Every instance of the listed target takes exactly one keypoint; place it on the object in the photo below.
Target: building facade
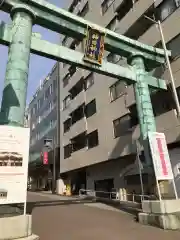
(99, 122)
(43, 123)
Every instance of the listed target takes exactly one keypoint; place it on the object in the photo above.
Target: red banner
(45, 158)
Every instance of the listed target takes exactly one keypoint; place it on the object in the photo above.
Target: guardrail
(135, 198)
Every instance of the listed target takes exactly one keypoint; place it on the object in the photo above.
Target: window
(33, 126)
(122, 125)
(141, 25)
(66, 101)
(79, 142)
(32, 112)
(66, 79)
(54, 84)
(117, 90)
(72, 70)
(51, 123)
(165, 9)
(162, 101)
(173, 45)
(51, 89)
(89, 81)
(67, 125)
(47, 93)
(133, 115)
(74, 5)
(84, 11)
(124, 8)
(39, 104)
(50, 106)
(39, 119)
(90, 109)
(105, 5)
(74, 44)
(37, 136)
(92, 139)
(77, 88)
(78, 114)
(35, 109)
(64, 41)
(113, 24)
(67, 151)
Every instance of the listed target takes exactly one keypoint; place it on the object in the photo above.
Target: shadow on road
(51, 203)
(125, 207)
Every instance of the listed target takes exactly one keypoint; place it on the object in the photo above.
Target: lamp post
(50, 143)
(158, 23)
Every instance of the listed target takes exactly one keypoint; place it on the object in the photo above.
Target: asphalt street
(64, 218)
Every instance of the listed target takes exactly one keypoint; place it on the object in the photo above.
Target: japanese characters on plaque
(94, 47)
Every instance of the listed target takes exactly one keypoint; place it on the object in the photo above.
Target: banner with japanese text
(14, 154)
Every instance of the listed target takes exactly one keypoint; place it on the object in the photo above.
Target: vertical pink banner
(162, 156)
(45, 158)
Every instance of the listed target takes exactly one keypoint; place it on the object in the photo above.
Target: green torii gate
(21, 41)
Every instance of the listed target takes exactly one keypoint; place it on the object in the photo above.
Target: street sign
(94, 47)
(14, 155)
(48, 142)
(160, 156)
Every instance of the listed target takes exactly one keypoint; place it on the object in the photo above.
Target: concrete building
(99, 123)
(43, 123)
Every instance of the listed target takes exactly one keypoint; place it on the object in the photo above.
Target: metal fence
(135, 198)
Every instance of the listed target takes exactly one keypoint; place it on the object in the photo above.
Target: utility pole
(158, 23)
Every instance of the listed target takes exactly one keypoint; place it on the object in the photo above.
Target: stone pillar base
(164, 221)
(17, 227)
(32, 237)
(164, 214)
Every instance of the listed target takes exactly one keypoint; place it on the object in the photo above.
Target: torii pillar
(16, 79)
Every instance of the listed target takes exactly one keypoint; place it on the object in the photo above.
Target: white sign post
(14, 153)
(161, 160)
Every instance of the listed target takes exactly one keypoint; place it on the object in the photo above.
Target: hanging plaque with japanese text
(94, 47)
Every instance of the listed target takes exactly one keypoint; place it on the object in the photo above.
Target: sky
(39, 66)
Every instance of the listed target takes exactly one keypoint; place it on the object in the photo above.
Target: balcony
(69, 42)
(73, 105)
(92, 123)
(82, 5)
(107, 14)
(118, 4)
(132, 16)
(77, 101)
(82, 158)
(77, 128)
(152, 36)
(75, 78)
(75, 161)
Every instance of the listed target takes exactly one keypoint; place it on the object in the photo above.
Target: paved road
(61, 218)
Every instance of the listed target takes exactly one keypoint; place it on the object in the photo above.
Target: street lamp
(158, 23)
(50, 143)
